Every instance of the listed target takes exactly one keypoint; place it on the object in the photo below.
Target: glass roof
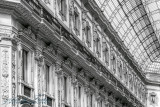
(138, 25)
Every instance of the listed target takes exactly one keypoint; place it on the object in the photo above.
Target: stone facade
(62, 53)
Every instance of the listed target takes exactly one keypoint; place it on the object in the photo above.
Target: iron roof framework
(135, 21)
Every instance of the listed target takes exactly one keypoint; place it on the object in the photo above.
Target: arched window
(113, 63)
(105, 53)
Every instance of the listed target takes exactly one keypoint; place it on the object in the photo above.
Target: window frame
(113, 63)
(47, 80)
(76, 20)
(105, 53)
(62, 6)
(25, 66)
(88, 34)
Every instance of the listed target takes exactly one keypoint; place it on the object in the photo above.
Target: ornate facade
(64, 53)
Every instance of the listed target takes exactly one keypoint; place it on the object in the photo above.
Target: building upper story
(81, 20)
(82, 25)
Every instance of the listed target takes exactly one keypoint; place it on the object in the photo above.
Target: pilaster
(7, 71)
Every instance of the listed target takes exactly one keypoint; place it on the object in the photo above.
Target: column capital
(39, 58)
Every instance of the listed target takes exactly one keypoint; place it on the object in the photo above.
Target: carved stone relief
(153, 98)
(5, 74)
(40, 60)
(13, 77)
(28, 31)
(51, 49)
(68, 62)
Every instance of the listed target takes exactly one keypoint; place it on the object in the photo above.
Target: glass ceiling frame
(130, 20)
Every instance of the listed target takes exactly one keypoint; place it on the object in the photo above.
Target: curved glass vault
(137, 23)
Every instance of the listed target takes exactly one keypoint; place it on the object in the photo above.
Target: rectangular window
(27, 91)
(24, 65)
(113, 62)
(79, 96)
(98, 47)
(62, 8)
(65, 88)
(91, 100)
(47, 78)
(105, 53)
(76, 21)
(49, 101)
(88, 34)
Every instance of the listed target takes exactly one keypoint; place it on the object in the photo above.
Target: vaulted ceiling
(137, 23)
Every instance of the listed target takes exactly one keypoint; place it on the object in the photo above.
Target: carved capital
(39, 57)
(68, 62)
(87, 89)
(102, 89)
(50, 48)
(81, 72)
(98, 97)
(58, 69)
(93, 81)
(106, 102)
(28, 32)
(74, 81)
